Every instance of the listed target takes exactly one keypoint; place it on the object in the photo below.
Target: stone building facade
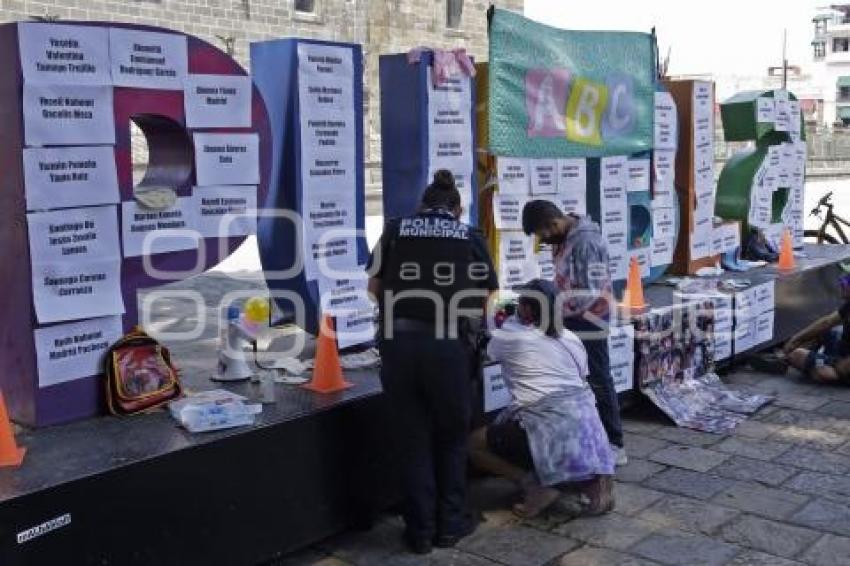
(381, 26)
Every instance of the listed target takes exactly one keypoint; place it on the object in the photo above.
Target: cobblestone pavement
(774, 493)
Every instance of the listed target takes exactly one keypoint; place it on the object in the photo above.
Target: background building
(831, 56)
(381, 26)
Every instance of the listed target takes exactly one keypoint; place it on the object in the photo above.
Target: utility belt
(403, 325)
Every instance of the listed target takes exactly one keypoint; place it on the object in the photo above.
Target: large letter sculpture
(78, 240)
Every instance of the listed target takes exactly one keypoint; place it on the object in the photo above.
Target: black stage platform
(140, 490)
(802, 295)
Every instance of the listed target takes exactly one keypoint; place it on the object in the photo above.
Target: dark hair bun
(443, 179)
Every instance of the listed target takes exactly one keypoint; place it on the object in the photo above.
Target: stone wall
(389, 26)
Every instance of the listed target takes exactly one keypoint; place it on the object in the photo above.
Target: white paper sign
(58, 54)
(227, 159)
(703, 100)
(76, 289)
(217, 101)
(513, 175)
(764, 327)
(638, 175)
(722, 347)
(146, 59)
(570, 203)
(329, 233)
(572, 176)
(74, 235)
(723, 312)
(613, 203)
(663, 225)
(464, 187)
(783, 111)
(348, 301)
(223, 212)
(728, 236)
(328, 140)
(704, 167)
(765, 297)
(545, 262)
(716, 242)
(327, 118)
(666, 122)
(572, 186)
(664, 164)
(496, 392)
(621, 354)
(613, 171)
(544, 176)
(168, 230)
(746, 334)
(76, 263)
(618, 264)
(745, 304)
(643, 257)
(661, 252)
(68, 115)
(507, 209)
(65, 177)
(765, 110)
(517, 264)
(450, 124)
(794, 122)
(704, 208)
(66, 352)
(701, 239)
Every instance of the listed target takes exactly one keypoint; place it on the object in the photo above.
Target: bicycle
(831, 219)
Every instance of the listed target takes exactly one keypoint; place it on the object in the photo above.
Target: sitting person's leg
(811, 337)
(484, 459)
(502, 449)
(820, 366)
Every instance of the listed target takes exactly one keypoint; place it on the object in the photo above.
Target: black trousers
(600, 379)
(427, 383)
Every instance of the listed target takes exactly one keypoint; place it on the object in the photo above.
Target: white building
(831, 55)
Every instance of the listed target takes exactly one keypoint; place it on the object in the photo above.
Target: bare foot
(600, 492)
(537, 499)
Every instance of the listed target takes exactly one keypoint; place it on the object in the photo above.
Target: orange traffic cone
(327, 372)
(10, 453)
(633, 295)
(786, 251)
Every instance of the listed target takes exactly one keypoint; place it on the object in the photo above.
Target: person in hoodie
(581, 272)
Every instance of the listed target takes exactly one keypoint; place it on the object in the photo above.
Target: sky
(720, 37)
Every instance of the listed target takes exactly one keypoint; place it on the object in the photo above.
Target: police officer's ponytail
(442, 192)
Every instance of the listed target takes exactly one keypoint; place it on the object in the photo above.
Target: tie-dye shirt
(581, 271)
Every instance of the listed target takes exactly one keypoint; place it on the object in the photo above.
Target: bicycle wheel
(811, 237)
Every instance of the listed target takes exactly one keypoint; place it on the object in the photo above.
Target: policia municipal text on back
(431, 273)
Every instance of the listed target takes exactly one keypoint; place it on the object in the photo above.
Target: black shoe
(450, 540)
(417, 545)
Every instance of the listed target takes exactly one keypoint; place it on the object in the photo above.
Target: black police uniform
(426, 378)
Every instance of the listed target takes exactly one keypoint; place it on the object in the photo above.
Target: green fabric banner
(561, 93)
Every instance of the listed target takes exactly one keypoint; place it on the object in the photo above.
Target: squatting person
(550, 434)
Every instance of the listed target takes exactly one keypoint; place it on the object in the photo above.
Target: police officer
(429, 271)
